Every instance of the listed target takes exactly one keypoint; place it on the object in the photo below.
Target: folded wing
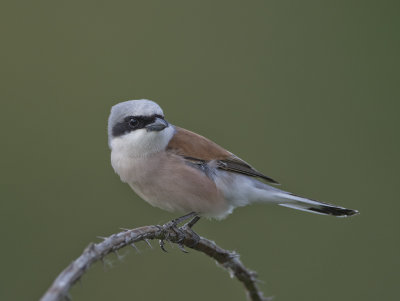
(199, 150)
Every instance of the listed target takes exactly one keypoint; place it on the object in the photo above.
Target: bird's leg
(181, 219)
(192, 222)
(188, 227)
(172, 225)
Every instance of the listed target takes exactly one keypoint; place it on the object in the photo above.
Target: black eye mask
(133, 123)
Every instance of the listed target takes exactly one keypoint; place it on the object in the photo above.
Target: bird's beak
(158, 125)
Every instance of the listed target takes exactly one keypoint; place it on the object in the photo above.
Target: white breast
(128, 152)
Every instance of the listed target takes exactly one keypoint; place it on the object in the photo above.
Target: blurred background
(305, 91)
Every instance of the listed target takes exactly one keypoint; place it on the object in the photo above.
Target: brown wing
(198, 149)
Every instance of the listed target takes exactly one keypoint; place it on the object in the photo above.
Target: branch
(95, 252)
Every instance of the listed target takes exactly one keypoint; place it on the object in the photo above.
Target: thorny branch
(95, 252)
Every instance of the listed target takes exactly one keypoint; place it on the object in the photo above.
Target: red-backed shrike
(180, 171)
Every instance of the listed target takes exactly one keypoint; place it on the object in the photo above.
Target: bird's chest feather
(135, 170)
(166, 181)
(137, 155)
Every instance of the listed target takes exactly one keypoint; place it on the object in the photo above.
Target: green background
(305, 91)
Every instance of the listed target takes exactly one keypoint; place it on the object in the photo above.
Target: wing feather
(198, 149)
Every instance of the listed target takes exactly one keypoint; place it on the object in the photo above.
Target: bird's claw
(162, 245)
(182, 248)
(178, 232)
(179, 236)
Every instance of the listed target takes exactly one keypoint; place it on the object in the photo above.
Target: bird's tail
(296, 202)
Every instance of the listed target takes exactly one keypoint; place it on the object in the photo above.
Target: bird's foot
(188, 228)
(175, 233)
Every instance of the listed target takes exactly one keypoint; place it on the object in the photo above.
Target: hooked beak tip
(157, 126)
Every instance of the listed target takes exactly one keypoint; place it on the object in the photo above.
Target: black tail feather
(336, 211)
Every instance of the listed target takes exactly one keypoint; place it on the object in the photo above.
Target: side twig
(95, 252)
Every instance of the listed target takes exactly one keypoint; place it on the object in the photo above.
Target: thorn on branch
(148, 243)
(134, 246)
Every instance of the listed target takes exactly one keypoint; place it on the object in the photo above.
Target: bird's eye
(133, 122)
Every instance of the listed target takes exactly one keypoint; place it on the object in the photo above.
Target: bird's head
(138, 128)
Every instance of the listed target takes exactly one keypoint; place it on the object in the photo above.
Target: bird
(180, 171)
